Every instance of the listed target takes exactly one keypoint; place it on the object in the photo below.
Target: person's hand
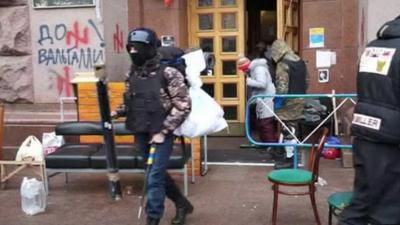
(114, 115)
(157, 138)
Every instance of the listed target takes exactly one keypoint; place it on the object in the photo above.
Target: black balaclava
(143, 52)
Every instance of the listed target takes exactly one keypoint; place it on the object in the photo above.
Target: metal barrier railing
(299, 143)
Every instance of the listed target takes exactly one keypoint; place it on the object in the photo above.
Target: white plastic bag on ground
(51, 142)
(30, 149)
(33, 196)
(206, 116)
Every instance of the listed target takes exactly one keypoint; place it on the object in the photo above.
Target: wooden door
(288, 22)
(218, 26)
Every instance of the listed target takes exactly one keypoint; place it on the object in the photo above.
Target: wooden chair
(17, 166)
(299, 177)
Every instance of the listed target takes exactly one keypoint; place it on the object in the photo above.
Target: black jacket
(377, 112)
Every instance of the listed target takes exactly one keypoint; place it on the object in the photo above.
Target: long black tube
(108, 134)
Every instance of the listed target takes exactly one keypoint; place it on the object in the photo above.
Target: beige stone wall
(15, 52)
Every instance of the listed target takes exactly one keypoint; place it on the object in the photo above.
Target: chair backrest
(1, 129)
(316, 151)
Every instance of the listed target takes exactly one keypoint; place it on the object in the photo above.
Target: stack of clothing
(314, 111)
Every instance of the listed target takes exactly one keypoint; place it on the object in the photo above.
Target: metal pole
(108, 135)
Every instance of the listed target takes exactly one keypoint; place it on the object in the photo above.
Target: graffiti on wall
(67, 47)
(118, 39)
(70, 46)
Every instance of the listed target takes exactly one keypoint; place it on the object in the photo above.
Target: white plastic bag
(51, 142)
(195, 63)
(206, 116)
(31, 148)
(33, 196)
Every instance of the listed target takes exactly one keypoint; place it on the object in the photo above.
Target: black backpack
(297, 76)
(272, 69)
(172, 56)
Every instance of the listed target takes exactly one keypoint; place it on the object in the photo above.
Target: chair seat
(340, 200)
(290, 176)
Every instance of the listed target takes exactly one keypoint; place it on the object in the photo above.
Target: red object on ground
(331, 153)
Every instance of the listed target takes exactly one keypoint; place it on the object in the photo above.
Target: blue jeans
(159, 184)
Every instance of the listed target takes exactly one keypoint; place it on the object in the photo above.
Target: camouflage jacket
(174, 97)
(293, 108)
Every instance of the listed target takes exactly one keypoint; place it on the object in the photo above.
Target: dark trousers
(159, 183)
(266, 129)
(376, 185)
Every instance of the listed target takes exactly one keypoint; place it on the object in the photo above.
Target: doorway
(261, 24)
(228, 28)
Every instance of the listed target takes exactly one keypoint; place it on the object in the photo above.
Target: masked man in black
(156, 102)
(375, 125)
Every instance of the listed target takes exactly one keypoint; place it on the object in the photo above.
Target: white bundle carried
(206, 116)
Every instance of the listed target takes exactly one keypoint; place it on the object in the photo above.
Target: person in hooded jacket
(156, 102)
(375, 126)
(260, 82)
(290, 78)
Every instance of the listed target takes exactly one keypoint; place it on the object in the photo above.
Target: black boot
(152, 221)
(181, 211)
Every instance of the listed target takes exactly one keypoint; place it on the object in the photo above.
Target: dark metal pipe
(108, 134)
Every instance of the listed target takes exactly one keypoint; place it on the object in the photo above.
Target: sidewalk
(227, 195)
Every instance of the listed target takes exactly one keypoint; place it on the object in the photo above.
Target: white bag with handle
(206, 115)
(51, 142)
(30, 149)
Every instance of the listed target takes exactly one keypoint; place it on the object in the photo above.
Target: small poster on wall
(323, 75)
(317, 37)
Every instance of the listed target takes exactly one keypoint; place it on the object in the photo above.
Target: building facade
(43, 47)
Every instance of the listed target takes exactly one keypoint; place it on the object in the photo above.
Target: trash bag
(51, 142)
(33, 196)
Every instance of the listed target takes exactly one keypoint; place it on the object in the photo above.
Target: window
(229, 44)
(207, 44)
(205, 3)
(209, 88)
(229, 90)
(229, 67)
(231, 112)
(228, 2)
(206, 21)
(228, 21)
(62, 3)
